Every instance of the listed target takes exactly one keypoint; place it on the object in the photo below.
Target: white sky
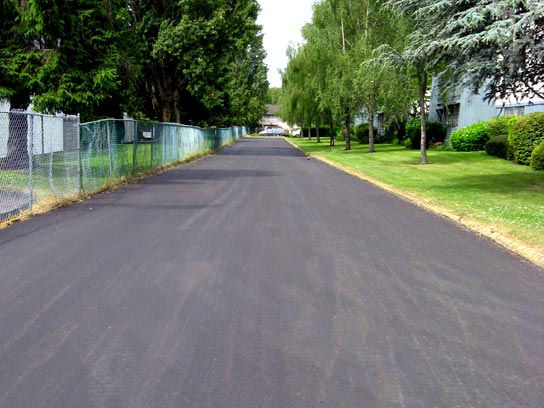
(282, 21)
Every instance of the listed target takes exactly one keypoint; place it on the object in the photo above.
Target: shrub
(499, 146)
(323, 131)
(360, 133)
(499, 126)
(471, 138)
(435, 132)
(537, 157)
(525, 135)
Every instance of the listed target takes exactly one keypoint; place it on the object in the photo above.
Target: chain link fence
(39, 160)
(45, 159)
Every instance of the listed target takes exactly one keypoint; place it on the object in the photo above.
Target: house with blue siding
(462, 108)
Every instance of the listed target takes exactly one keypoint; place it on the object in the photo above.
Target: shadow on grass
(507, 182)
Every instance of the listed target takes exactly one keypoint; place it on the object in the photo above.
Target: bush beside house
(361, 133)
(525, 135)
(436, 133)
(537, 157)
(498, 146)
(471, 138)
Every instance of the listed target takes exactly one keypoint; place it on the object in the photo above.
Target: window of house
(514, 111)
(452, 115)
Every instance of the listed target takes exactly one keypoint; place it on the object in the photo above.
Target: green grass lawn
(499, 194)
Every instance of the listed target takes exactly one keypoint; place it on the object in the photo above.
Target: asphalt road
(257, 278)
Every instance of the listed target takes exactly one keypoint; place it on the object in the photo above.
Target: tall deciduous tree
(195, 49)
(196, 61)
(414, 56)
(383, 88)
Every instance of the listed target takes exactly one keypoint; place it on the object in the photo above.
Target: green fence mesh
(39, 160)
(44, 158)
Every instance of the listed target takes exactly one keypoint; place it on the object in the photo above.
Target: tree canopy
(369, 56)
(335, 73)
(192, 61)
(495, 46)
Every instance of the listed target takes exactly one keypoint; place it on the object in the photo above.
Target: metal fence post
(163, 147)
(135, 148)
(152, 143)
(108, 135)
(79, 167)
(43, 140)
(50, 174)
(174, 157)
(30, 154)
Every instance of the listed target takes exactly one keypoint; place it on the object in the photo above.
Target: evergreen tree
(192, 61)
(198, 53)
(496, 45)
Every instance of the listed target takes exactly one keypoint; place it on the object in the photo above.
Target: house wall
(473, 108)
(522, 107)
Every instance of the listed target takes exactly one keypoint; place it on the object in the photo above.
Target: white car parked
(273, 131)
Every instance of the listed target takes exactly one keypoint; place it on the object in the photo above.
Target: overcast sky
(282, 21)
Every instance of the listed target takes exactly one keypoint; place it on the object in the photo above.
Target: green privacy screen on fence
(113, 149)
(44, 158)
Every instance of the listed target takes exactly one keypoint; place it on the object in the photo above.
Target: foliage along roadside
(379, 56)
(185, 61)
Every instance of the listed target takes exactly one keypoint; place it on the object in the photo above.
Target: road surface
(257, 278)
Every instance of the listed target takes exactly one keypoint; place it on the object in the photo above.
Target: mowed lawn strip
(507, 198)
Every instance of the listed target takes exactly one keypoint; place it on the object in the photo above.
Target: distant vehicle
(273, 131)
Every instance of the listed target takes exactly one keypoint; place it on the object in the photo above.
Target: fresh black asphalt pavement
(257, 278)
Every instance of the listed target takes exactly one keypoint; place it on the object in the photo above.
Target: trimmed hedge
(436, 132)
(500, 126)
(498, 146)
(525, 135)
(471, 138)
(537, 157)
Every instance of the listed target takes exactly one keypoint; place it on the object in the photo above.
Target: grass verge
(492, 196)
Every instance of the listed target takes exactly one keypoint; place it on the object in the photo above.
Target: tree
(14, 80)
(493, 45)
(337, 74)
(336, 27)
(81, 51)
(196, 49)
(298, 104)
(415, 55)
(196, 61)
(273, 96)
(383, 87)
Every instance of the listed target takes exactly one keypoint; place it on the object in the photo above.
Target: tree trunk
(371, 147)
(422, 83)
(318, 138)
(17, 152)
(347, 125)
(166, 114)
(310, 131)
